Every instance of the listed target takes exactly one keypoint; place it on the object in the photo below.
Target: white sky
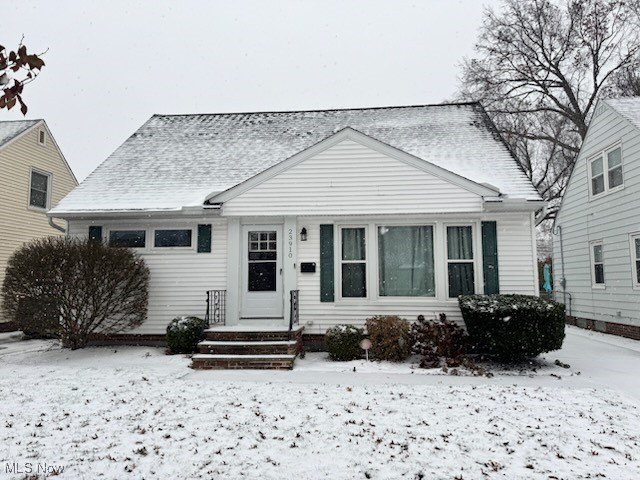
(111, 65)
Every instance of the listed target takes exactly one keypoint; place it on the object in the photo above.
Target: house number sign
(290, 252)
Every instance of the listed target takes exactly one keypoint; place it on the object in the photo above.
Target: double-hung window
(597, 264)
(405, 261)
(39, 190)
(353, 262)
(606, 171)
(460, 261)
(635, 259)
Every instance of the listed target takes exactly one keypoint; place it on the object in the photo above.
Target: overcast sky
(111, 65)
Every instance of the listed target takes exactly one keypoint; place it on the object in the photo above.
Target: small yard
(136, 413)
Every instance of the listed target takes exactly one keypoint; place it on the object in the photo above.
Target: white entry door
(262, 272)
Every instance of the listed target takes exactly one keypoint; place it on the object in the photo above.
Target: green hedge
(184, 333)
(513, 327)
(343, 342)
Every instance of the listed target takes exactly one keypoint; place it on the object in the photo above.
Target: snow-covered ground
(136, 413)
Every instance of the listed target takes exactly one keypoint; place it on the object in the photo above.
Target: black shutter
(95, 233)
(204, 238)
(490, 258)
(326, 263)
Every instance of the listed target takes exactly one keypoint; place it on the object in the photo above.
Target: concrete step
(229, 347)
(205, 361)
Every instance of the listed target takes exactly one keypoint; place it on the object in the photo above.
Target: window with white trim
(353, 262)
(597, 264)
(635, 259)
(172, 238)
(127, 238)
(460, 261)
(406, 261)
(605, 171)
(39, 189)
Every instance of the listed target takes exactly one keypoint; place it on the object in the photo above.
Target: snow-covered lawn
(136, 413)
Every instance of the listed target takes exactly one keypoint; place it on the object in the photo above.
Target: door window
(262, 260)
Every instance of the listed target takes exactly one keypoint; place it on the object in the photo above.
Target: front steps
(248, 348)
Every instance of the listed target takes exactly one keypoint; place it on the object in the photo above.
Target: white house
(597, 231)
(394, 210)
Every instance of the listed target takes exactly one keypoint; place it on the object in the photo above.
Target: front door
(262, 272)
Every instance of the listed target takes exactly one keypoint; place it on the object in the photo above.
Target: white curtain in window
(459, 243)
(405, 258)
(353, 244)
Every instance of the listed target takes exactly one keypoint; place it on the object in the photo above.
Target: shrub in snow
(389, 337)
(184, 333)
(72, 288)
(439, 341)
(513, 327)
(343, 342)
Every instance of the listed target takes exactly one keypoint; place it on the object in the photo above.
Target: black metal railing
(294, 312)
(216, 307)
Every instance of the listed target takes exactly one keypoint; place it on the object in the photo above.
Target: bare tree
(17, 69)
(539, 68)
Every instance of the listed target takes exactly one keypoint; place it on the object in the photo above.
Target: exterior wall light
(303, 234)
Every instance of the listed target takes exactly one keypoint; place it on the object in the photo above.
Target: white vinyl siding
(607, 218)
(515, 257)
(349, 178)
(179, 278)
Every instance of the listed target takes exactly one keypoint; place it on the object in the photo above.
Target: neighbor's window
(405, 261)
(597, 176)
(460, 263)
(597, 261)
(614, 164)
(127, 238)
(172, 238)
(353, 262)
(606, 171)
(635, 259)
(39, 190)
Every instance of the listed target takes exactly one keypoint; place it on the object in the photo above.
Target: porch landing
(248, 347)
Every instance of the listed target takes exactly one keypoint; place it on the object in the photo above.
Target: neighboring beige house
(34, 177)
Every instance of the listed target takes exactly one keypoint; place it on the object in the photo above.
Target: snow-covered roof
(628, 107)
(176, 161)
(13, 128)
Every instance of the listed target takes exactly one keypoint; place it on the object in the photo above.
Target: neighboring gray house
(328, 216)
(596, 243)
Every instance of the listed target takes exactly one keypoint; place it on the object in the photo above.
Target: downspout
(56, 226)
(557, 230)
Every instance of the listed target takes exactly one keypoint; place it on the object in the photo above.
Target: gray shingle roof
(628, 107)
(177, 160)
(11, 129)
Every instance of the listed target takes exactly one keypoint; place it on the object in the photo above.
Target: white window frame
(152, 235)
(635, 281)
(49, 176)
(116, 228)
(603, 154)
(478, 288)
(594, 285)
(376, 262)
(42, 133)
(366, 261)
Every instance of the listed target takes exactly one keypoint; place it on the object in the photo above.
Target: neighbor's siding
(611, 219)
(178, 280)
(18, 223)
(349, 178)
(516, 266)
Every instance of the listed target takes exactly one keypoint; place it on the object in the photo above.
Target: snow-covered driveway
(135, 413)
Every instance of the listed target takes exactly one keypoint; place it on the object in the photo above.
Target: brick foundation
(612, 328)
(99, 339)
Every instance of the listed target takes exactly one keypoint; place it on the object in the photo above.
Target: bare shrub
(389, 337)
(72, 288)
